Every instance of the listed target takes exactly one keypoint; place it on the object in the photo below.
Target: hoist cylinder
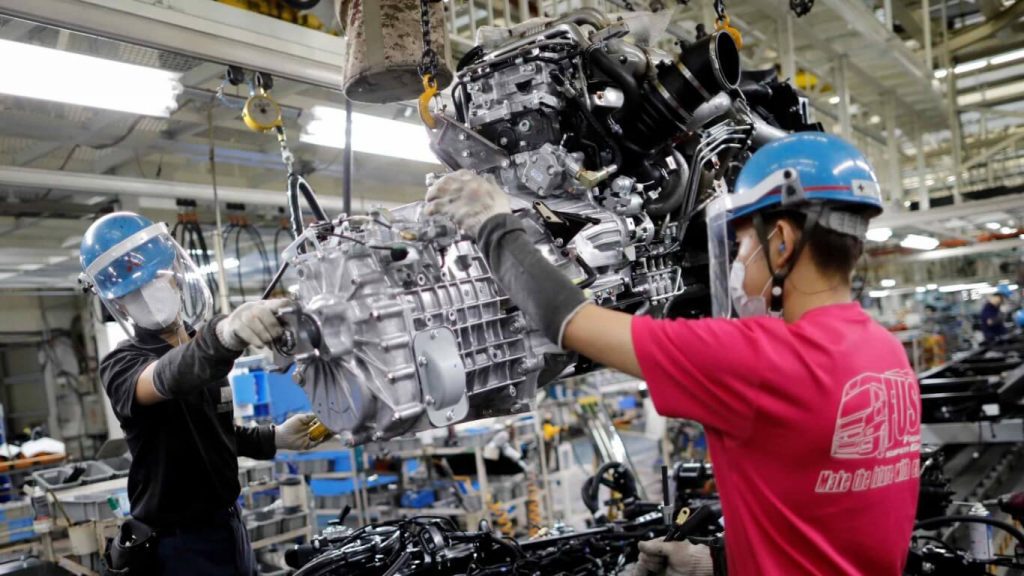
(385, 47)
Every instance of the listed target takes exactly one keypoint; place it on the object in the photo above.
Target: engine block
(608, 151)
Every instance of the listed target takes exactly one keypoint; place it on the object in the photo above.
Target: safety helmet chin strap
(779, 276)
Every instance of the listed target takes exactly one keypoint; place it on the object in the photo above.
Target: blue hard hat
(805, 168)
(1018, 317)
(137, 263)
(1004, 291)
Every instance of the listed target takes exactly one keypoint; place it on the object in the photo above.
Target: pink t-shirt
(813, 429)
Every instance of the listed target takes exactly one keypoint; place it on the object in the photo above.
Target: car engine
(609, 150)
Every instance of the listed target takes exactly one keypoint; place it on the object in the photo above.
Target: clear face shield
(148, 282)
(721, 251)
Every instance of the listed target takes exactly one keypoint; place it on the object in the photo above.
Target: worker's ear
(783, 243)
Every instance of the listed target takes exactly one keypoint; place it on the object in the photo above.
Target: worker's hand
(658, 557)
(251, 324)
(293, 434)
(468, 199)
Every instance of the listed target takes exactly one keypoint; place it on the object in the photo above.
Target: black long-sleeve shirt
(184, 450)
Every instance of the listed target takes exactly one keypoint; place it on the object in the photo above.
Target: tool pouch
(133, 552)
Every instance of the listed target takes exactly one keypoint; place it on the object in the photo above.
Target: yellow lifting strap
(723, 24)
(429, 91)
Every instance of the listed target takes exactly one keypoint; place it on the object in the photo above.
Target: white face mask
(747, 306)
(155, 306)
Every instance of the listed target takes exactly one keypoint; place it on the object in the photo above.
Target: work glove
(251, 324)
(293, 434)
(682, 558)
(468, 199)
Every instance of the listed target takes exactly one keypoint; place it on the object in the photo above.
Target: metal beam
(958, 252)
(121, 185)
(897, 220)
(843, 91)
(926, 18)
(199, 28)
(988, 28)
(992, 151)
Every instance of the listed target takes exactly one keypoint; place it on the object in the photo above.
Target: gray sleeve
(187, 368)
(546, 296)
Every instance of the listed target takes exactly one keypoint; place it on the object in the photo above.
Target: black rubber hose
(261, 249)
(298, 185)
(238, 256)
(277, 246)
(943, 520)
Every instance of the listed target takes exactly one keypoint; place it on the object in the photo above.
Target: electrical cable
(1010, 529)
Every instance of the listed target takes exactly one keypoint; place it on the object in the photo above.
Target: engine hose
(943, 520)
(590, 16)
(500, 516)
(673, 191)
(534, 514)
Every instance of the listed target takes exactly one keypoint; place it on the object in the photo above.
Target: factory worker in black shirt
(169, 391)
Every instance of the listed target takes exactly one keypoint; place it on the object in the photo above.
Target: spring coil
(534, 514)
(500, 516)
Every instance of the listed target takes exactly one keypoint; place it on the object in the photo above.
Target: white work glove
(468, 199)
(682, 558)
(251, 324)
(293, 434)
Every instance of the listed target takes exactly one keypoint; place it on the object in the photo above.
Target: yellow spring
(500, 516)
(534, 515)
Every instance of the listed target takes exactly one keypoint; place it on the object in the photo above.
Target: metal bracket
(442, 375)
(562, 226)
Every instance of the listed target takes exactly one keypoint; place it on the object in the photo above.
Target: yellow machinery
(293, 11)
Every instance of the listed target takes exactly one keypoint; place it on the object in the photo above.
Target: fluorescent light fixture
(888, 283)
(874, 119)
(59, 76)
(1007, 57)
(993, 225)
(1007, 230)
(920, 289)
(918, 242)
(940, 73)
(878, 293)
(370, 134)
(932, 286)
(29, 267)
(929, 182)
(963, 287)
(970, 66)
(879, 234)
(951, 178)
(834, 100)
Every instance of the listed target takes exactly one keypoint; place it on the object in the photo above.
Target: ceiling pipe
(142, 187)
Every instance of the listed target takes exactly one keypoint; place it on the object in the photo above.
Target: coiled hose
(189, 235)
(238, 225)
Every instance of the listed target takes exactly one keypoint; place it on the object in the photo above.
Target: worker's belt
(214, 519)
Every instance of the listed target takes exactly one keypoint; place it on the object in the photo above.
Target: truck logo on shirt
(879, 416)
